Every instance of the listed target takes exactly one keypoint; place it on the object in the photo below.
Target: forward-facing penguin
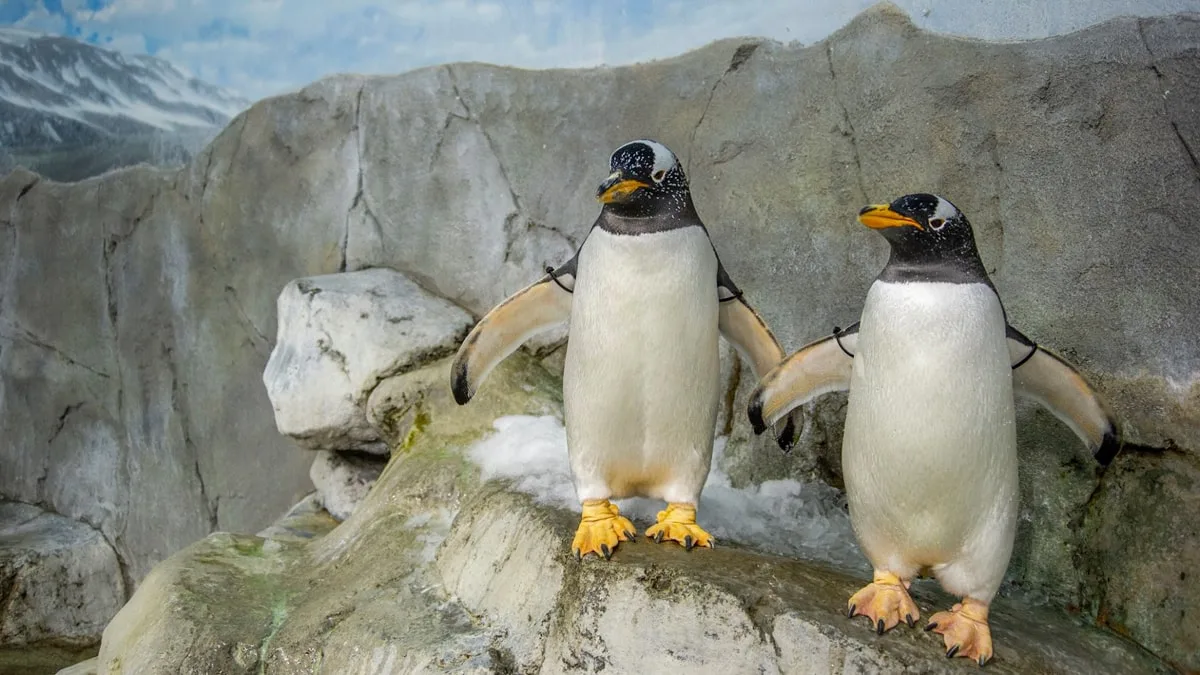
(929, 453)
(646, 297)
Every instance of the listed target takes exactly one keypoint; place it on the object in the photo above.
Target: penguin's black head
(646, 180)
(928, 235)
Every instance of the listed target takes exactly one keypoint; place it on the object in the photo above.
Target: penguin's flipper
(1045, 377)
(531, 310)
(818, 368)
(754, 342)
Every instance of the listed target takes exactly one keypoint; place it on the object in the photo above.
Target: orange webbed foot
(601, 528)
(678, 523)
(886, 602)
(965, 630)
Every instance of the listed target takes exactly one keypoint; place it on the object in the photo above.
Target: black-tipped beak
(617, 188)
(755, 412)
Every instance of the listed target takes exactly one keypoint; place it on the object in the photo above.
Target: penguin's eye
(658, 175)
(937, 223)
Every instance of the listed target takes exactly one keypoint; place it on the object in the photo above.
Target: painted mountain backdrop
(70, 110)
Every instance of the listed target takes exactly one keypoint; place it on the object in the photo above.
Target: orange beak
(881, 216)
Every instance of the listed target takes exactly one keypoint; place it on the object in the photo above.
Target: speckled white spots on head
(664, 159)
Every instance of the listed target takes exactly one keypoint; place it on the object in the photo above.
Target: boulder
(60, 583)
(339, 336)
(441, 570)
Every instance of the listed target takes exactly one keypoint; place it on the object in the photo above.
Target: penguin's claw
(678, 523)
(601, 528)
(965, 631)
(885, 601)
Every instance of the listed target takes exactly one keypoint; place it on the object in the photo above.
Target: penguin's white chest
(640, 382)
(929, 451)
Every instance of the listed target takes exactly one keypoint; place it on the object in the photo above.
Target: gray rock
(358, 597)
(339, 336)
(1139, 551)
(135, 310)
(60, 583)
(342, 480)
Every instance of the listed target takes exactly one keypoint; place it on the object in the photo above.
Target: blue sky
(261, 47)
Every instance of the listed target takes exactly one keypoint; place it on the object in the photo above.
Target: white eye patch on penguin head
(919, 221)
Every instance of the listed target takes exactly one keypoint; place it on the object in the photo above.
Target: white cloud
(128, 43)
(42, 21)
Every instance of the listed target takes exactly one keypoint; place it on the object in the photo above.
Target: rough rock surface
(436, 572)
(339, 336)
(342, 480)
(137, 309)
(60, 583)
(1145, 576)
(357, 599)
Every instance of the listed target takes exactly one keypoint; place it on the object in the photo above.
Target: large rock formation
(137, 309)
(437, 571)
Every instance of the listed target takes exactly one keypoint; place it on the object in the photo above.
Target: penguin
(645, 298)
(929, 451)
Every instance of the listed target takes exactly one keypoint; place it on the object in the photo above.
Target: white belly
(640, 383)
(929, 451)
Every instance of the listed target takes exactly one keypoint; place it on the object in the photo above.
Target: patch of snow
(71, 75)
(18, 36)
(78, 81)
(48, 129)
(784, 517)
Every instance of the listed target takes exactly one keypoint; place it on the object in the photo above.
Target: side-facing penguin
(646, 297)
(929, 453)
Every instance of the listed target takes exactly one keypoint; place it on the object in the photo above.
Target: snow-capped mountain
(60, 96)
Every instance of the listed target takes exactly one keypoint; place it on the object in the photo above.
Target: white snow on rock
(339, 335)
(784, 517)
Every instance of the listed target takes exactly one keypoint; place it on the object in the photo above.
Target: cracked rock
(339, 335)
